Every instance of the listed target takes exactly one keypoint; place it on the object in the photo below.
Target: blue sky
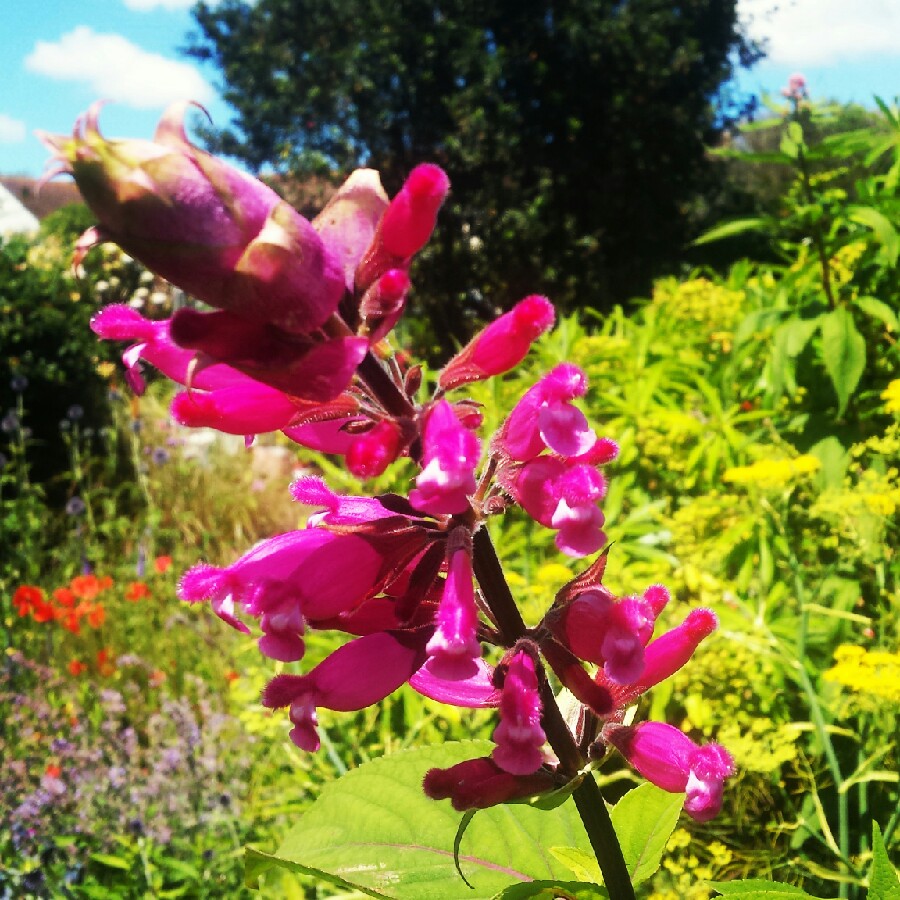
(60, 55)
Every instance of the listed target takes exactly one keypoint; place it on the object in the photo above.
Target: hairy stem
(588, 798)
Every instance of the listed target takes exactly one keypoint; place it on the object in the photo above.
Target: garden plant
(460, 611)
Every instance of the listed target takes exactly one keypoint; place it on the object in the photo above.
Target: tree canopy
(573, 132)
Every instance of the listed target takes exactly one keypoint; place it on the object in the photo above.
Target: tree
(573, 132)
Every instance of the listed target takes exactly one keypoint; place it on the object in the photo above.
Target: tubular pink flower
(370, 453)
(337, 508)
(449, 458)
(672, 761)
(154, 344)
(454, 649)
(355, 676)
(309, 368)
(501, 345)
(285, 580)
(481, 783)
(664, 656)
(407, 224)
(382, 304)
(519, 736)
(475, 692)
(242, 409)
(546, 419)
(610, 633)
(213, 231)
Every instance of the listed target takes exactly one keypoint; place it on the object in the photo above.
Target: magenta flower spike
(519, 736)
(454, 650)
(501, 345)
(213, 231)
(354, 676)
(369, 454)
(669, 759)
(449, 458)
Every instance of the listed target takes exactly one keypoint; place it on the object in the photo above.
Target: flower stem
(588, 799)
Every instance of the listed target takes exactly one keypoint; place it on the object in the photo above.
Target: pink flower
(406, 225)
(672, 761)
(449, 458)
(546, 419)
(481, 783)
(355, 676)
(370, 453)
(501, 345)
(286, 580)
(796, 87)
(213, 231)
(564, 497)
(519, 736)
(454, 649)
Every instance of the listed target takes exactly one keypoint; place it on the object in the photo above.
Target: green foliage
(570, 134)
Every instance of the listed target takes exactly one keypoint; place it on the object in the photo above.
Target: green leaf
(834, 458)
(796, 333)
(375, 830)
(883, 881)
(114, 862)
(582, 865)
(843, 352)
(760, 889)
(554, 890)
(730, 229)
(881, 226)
(879, 310)
(644, 819)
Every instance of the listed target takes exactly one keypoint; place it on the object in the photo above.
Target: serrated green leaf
(553, 890)
(883, 881)
(374, 830)
(644, 819)
(760, 889)
(843, 352)
(730, 229)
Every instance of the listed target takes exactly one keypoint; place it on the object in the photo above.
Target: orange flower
(70, 621)
(53, 771)
(64, 597)
(157, 677)
(85, 587)
(76, 667)
(27, 596)
(106, 665)
(96, 615)
(43, 611)
(231, 675)
(136, 590)
(162, 564)
(105, 582)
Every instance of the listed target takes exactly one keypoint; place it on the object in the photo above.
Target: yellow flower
(891, 396)
(773, 472)
(875, 672)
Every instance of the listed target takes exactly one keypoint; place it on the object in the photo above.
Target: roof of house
(14, 217)
(44, 199)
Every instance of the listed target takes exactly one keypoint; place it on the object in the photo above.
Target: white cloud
(150, 5)
(823, 32)
(118, 70)
(12, 131)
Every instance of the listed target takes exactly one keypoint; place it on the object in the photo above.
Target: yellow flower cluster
(699, 300)
(773, 473)
(891, 397)
(875, 672)
(843, 263)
